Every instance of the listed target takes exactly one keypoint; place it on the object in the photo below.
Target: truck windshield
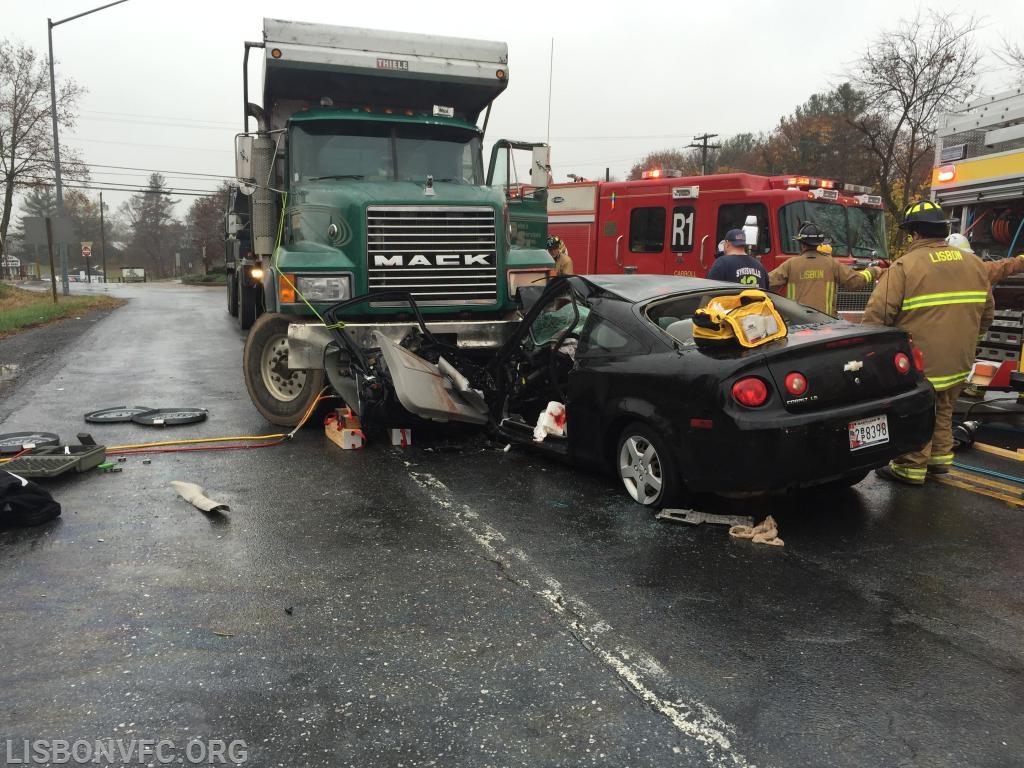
(867, 232)
(369, 151)
(855, 231)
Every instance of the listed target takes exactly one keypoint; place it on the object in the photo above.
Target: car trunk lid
(842, 364)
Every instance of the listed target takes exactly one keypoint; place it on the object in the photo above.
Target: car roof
(642, 288)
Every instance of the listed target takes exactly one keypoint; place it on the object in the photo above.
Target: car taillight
(918, 360)
(796, 383)
(750, 392)
(902, 362)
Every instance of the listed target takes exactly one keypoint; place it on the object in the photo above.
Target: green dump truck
(364, 176)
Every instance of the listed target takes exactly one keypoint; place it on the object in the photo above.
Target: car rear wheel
(646, 467)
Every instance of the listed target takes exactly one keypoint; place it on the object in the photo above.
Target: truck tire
(248, 304)
(232, 282)
(280, 394)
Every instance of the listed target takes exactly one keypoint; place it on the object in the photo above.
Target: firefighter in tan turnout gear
(813, 277)
(941, 295)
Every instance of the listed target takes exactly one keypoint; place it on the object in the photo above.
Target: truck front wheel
(248, 301)
(282, 395)
(232, 282)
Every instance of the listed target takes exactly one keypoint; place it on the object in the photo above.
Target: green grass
(211, 278)
(20, 309)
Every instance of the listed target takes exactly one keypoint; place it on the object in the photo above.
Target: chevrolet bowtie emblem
(853, 365)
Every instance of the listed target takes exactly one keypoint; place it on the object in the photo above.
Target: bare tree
(1012, 56)
(668, 159)
(909, 76)
(26, 138)
(205, 224)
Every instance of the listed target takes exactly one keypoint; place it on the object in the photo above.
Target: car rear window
(675, 310)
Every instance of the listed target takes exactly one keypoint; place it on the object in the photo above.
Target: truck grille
(440, 254)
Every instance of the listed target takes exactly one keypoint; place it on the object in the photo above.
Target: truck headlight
(521, 277)
(324, 288)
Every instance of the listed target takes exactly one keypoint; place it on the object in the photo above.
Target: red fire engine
(666, 224)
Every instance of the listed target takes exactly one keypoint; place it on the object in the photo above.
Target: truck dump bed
(352, 67)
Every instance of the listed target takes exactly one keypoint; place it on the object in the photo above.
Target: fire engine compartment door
(426, 390)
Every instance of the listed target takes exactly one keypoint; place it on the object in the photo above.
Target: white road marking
(639, 671)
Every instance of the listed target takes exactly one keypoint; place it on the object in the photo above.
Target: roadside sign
(86, 250)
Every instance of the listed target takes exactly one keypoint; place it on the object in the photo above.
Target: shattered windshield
(855, 231)
(829, 217)
(867, 233)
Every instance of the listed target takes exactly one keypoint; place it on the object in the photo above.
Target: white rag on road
(196, 496)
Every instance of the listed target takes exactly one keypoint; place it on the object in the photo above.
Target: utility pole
(704, 147)
(103, 239)
(62, 247)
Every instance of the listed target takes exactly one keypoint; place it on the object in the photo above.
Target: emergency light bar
(869, 199)
(661, 173)
(856, 189)
(809, 182)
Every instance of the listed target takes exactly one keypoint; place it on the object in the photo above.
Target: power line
(154, 170)
(149, 170)
(155, 117)
(136, 189)
(151, 146)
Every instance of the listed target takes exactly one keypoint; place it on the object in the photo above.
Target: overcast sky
(165, 89)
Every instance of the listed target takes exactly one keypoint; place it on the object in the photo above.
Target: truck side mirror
(750, 229)
(243, 164)
(540, 167)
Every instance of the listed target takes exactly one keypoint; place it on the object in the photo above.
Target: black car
(826, 404)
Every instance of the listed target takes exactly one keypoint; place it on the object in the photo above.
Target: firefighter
(999, 269)
(558, 252)
(813, 277)
(735, 265)
(942, 297)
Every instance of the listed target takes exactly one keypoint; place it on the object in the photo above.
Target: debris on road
(116, 415)
(765, 532)
(196, 496)
(149, 417)
(16, 442)
(24, 503)
(551, 421)
(53, 460)
(693, 517)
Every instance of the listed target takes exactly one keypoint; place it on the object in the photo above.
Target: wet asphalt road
(455, 604)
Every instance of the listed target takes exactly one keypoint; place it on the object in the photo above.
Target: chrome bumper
(307, 342)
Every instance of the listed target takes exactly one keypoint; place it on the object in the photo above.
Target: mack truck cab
(364, 177)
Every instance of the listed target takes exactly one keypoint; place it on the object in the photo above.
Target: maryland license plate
(867, 432)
